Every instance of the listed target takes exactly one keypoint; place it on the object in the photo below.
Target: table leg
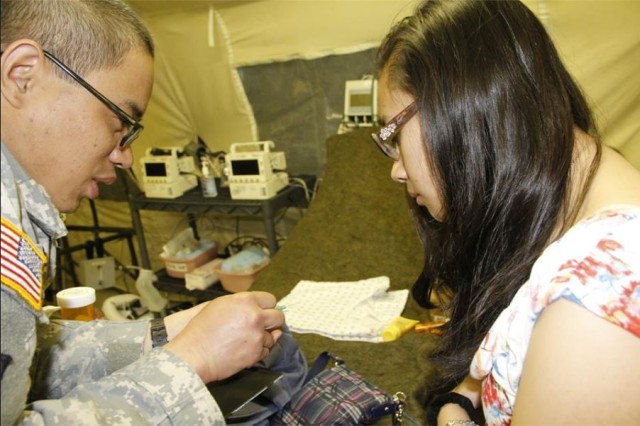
(142, 245)
(270, 227)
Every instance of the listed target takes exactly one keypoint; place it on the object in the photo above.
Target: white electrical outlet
(98, 273)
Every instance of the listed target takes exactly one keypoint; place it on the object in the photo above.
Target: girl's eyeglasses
(386, 137)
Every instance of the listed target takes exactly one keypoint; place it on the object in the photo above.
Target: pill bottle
(397, 328)
(77, 303)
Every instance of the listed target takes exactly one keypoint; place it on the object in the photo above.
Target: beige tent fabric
(279, 30)
(200, 44)
(600, 43)
(197, 91)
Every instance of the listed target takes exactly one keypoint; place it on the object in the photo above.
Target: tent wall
(236, 71)
(197, 92)
(310, 94)
(201, 44)
(600, 44)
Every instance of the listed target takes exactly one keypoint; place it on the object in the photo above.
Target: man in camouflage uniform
(62, 133)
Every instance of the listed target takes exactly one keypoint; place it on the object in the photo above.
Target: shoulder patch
(23, 264)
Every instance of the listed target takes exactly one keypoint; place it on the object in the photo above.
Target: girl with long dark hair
(530, 226)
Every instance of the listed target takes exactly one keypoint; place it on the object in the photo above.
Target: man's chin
(68, 206)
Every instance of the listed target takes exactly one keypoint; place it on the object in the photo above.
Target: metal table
(192, 202)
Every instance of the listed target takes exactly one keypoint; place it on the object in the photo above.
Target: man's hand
(223, 336)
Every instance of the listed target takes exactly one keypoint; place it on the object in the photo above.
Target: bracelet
(461, 422)
(452, 398)
(158, 333)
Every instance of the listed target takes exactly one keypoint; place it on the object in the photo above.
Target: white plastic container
(203, 276)
(150, 297)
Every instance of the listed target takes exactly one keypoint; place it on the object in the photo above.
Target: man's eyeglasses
(386, 137)
(134, 126)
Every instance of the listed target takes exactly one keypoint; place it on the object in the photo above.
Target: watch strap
(158, 332)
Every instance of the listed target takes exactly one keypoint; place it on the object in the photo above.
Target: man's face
(69, 139)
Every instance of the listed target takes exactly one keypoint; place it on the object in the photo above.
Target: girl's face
(412, 168)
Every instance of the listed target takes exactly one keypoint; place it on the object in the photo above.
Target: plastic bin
(237, 282)
(238, 272)
(178, 266)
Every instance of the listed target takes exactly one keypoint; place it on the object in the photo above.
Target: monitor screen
(360, 100)
(155, 169)
(245, 167)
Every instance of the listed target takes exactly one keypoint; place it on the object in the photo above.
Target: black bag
(338, 396)
(284, 362)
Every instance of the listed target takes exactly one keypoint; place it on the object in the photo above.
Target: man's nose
(122, 158)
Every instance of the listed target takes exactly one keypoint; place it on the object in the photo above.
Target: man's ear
(22, 64)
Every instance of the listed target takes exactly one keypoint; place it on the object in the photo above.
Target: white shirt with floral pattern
(596, 264)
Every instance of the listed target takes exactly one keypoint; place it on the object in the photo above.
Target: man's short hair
(87, 35)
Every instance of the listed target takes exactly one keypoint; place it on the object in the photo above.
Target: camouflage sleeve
(157, 389)
(72, 352)
(95, 371)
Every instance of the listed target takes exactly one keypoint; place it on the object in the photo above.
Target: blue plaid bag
(338, 396)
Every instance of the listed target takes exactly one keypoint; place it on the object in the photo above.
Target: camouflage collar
(35, 199)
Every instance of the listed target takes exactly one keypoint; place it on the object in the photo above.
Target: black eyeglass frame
(385, 136)
(136, 127)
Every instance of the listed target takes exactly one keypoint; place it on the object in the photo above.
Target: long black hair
(498, 113)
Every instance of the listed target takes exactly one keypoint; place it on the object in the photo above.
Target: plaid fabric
(337, 396)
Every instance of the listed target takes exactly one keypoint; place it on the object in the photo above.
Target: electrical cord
(316, 185)
(281, 216)
(295, 181)
(243, 241)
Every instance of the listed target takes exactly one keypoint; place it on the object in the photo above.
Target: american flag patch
(22, 264)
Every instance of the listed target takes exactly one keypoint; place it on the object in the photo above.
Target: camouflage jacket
(68, 372)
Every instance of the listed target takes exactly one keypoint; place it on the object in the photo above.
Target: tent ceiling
(148, 8)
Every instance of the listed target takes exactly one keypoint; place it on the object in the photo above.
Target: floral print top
(596, 264)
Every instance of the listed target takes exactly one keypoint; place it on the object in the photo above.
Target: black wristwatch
(158, 332)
